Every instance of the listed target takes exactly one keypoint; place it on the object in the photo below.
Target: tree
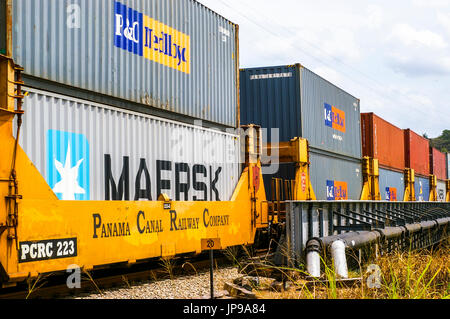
(442, 142)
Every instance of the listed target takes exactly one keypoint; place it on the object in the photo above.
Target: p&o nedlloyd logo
(151, 39)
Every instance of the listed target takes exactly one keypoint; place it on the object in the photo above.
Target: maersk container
(441, 191)
(176, 56)
(422, 189)
(299, 103)
(392, 185)
(89, 151)
(332, 177)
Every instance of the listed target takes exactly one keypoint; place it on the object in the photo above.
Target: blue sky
(393, 55)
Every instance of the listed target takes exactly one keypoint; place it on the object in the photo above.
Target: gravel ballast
(184, 287)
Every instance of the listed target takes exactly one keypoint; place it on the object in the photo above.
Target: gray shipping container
(392, 185)
(301, 104)
(332, 177)
(173, 56)
(88, 151)
(441, 191)
(335, 178)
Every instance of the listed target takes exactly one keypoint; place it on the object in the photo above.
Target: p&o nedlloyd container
(299, 103)
(173, 59)
(91, 151)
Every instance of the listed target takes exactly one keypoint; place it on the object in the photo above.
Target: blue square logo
(328, 115)
(128, 29)
(330, 190)
(68, 165)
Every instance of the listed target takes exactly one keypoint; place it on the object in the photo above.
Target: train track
(94, 282)
(100, 280)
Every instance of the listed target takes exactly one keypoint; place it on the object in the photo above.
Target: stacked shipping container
(177, 60)
(385, 142)
(417, 154)
(417, 157)
(438, 168)
(299, 103)
(437, 164)
(123, 155)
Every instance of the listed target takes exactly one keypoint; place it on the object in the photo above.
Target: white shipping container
(440, 191)
(89, 151)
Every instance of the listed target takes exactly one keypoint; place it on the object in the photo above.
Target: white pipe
(339, 260)
(313, 263)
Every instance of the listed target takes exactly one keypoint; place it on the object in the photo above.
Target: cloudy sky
(392, 54)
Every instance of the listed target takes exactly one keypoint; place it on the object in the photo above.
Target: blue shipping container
(300, 103)
(392, 185)
(332, 178)
(422, 189)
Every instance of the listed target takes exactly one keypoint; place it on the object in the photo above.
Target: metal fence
(400, 224)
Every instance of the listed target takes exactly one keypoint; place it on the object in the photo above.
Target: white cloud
(374, 16)
(409, 36)
(444, 20)
(416, 53)
(431, 3)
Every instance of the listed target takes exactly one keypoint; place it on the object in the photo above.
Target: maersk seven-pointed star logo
(68, 165)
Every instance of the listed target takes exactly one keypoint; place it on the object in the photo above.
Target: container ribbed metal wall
(448, 165)
(441, 191)
(75, 43)
(113, 145)
(330, 176)
(301, 104)
(272, 102)
(3, 27)
(316, 92)
(330, 173)
(422, 189)
(389, 180)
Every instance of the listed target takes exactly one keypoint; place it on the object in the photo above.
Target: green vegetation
(442, 142)
(419, 274)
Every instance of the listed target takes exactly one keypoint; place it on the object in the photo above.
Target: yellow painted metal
(371, 185)
(296, 151)
(410, 195)
(109, 232)
(433, 189)
(7, 88)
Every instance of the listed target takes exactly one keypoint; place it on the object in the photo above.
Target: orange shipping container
(437, 164)
(382, 140)
(417, 155)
